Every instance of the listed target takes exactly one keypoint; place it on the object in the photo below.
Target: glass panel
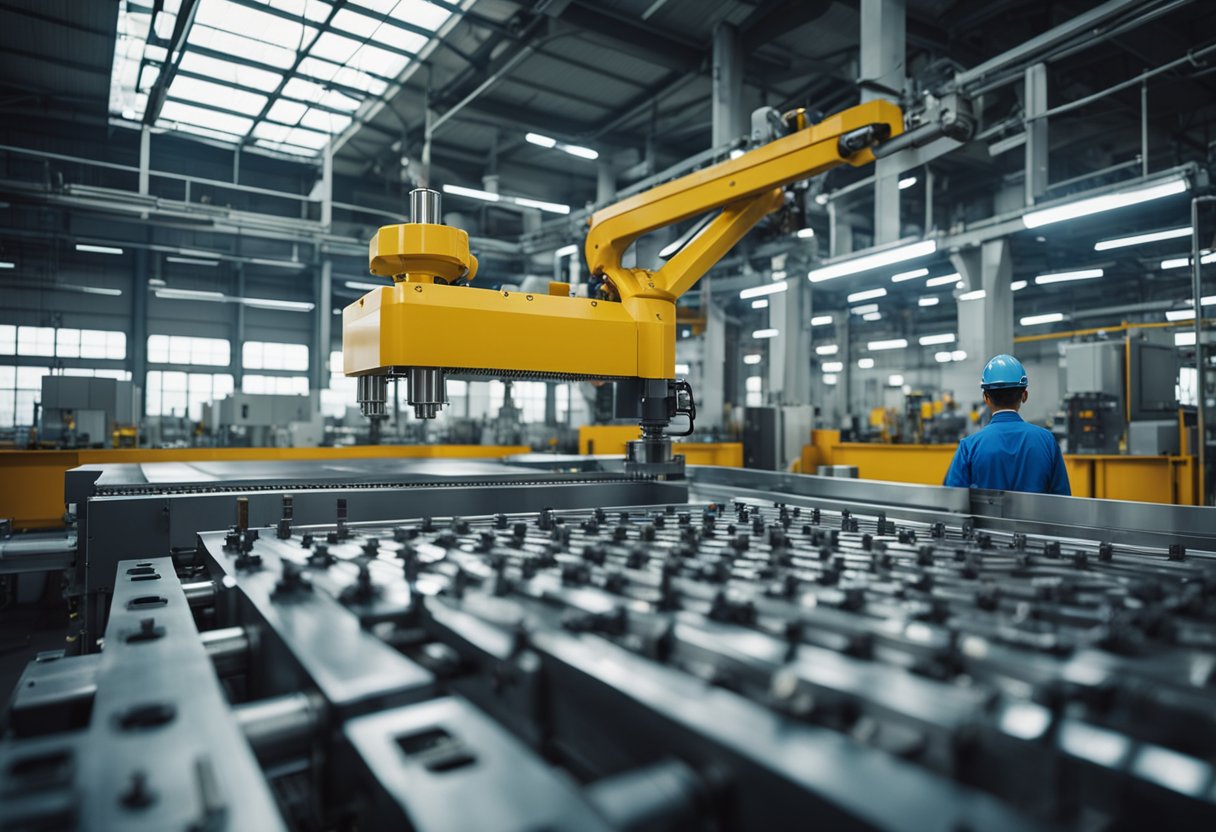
(187, 88)
(35, 340)
(325, 121)
(92, 344)
(230, 72)
(248, 48)
(211, 119)
(67, 343)
(158, 349)
(415, 12)
(285, 112)
(8, 339)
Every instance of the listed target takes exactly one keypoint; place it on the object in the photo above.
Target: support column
(790, 354)
(327, 186)
(236, 364)
(985, 326)
(883, 48)
(728, 122)
(145, 156)
(605, 182)
(322, 324)
(138, 343)
(711, 393)
(1036, 132)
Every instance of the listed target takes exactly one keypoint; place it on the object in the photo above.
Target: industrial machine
(431, 325)
(264, 421)
(663, 656)
(80, 412)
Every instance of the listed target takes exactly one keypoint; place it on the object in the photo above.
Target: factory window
(280, 385)
(529, 397)
(174, 393)
(35, 340)
(91, 343)
(182, 349)
(8, 339)
(755, 391)
(340, 393)
(20, 387)
(86, 372)
(269, 355)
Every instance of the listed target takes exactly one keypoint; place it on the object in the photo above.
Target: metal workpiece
(372, 395)
(427, 391)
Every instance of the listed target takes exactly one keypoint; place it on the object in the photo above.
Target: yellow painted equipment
(31, 482)
(611, 439)
(426, 321)
(1149, 479)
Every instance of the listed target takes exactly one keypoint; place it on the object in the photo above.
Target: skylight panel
(316, 10)
(380, 61)
(232, 73)
(147, 79)
(325, 121)
(186, 88)
(195, 130)
(259, 25)
(189, 114)
(308, 138)
(163, 25)
(346, 76)
(271, 132)
(303, 90)
(359, 25)
(285, 148)
(415, 12)
(248, 48)
(335, 47)
(337, 101)
(286, 112)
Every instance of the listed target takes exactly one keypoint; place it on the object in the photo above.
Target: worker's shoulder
(1041, 433)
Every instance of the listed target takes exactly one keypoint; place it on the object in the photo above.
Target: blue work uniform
(1010, 455)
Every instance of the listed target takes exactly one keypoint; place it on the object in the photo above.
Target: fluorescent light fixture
(944, 280)
(942, 357)
(907, 182)
(278, 264)
(1065, 277)
(360, 286)
(1184, 339)
(274, 303)
(566, 251)
(928, 301)
(958, 355)
(895, 380)
(778, 274)
(872, 316)
(805, 233)
(827, 349)
(873, 261)
(943, 338)
(892, 344)
(551, 143)
(471, 193)
(766, 333)
(865, 363)
(752, 358)
(829, 378)
(1018, 285)
(1049, 318)
(1106, 202)
(683, 369)
(4, 264)
(912, 275)
(1205, 258)
(761, 291)
(832, 366)
(868, 294)
(864, 309)
(98, 249)
(551, 207)
(190, 294)
(191, 261)
(1180, 314)
(977, 294)
(1141, 239)
(762, 303)
(821, 320)
(99, 290)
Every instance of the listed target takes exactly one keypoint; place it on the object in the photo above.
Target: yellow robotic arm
(430, 325)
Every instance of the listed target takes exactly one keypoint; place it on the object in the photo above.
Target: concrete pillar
(236, 365)
(322, 324)
(138, 343)
(985, 326)
(711, 394)
(883, 48)
(1036, 132)
(789, 365)
(145, 151)
(728, 121)
(605, 182)
(327, 186)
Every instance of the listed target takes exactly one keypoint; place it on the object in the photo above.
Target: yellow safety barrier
(31, 482)
(611, 439)
(1146, 479)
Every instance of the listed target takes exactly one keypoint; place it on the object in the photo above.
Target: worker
(1008, 454)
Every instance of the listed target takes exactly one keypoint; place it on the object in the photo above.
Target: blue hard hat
(1003, 372)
